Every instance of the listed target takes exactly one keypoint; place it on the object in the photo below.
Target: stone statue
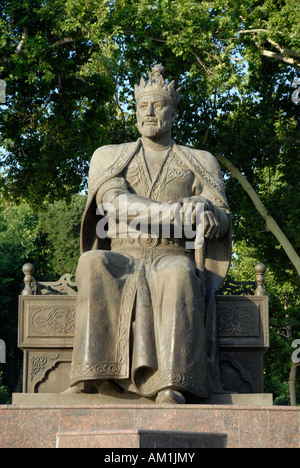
(146, 312)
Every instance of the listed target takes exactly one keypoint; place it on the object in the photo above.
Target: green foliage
(20, 241)
(284, 305)
(56, 100)
(5, 397)
(49, 239)
(60, 224)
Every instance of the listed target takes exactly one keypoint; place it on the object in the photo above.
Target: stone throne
(46, 332)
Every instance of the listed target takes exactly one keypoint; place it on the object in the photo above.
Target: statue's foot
(83, 387)
(170, 397)
(103, 387)
(75, 390)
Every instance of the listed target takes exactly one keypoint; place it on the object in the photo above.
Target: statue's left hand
(211, 225)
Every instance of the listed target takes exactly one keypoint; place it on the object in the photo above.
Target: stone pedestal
(131, 425)
(134, 438)
(35, 399)
(43, 417)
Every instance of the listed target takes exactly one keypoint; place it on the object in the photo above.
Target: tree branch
(274, 55)
(281, 334)
(268, 53)
(163, 41)
(275, 45)
(282, 50)
(237, 59)
(207, 70)
(20, 46)
(292, 384)
(66, 40)
(247, 31)
(270, 221)
(78, 77)
(291, 52)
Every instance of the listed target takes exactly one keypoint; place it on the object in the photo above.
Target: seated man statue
(146, 312)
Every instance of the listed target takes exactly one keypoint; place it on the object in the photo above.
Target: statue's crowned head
(158, 85)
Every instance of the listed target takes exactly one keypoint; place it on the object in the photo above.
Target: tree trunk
(270, 222)
(292, 384)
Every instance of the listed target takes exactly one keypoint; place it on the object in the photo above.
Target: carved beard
(157, 128)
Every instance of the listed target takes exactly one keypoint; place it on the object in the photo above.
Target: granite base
(56, 425)
(134, 438)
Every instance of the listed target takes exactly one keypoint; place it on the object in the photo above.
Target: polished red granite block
(244, 426)
(140, 439)
(284, 428)
(253, 428)
(28, 427)
(93, 417)
(108, 439)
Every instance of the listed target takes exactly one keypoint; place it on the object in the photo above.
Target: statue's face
(155, 115)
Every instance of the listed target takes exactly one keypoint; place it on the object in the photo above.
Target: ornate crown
(157, 84)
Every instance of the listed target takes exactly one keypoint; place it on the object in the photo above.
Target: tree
(76, 62)
(284, 323)
(20, 241)
(49, 239)
(4, 392)
(57, 98)
(271, 224)
(60, 225)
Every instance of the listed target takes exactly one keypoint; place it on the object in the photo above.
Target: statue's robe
(144, 307)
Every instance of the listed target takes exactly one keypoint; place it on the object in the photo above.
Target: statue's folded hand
(211, 225)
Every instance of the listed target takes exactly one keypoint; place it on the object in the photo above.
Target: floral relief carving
(235, 321)
(40, 363)
(52, 321)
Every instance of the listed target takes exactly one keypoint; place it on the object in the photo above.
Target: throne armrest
(64, 286)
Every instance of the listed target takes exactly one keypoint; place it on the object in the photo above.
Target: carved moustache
(150, 120)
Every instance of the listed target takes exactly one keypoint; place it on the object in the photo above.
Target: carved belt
(146, 242)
